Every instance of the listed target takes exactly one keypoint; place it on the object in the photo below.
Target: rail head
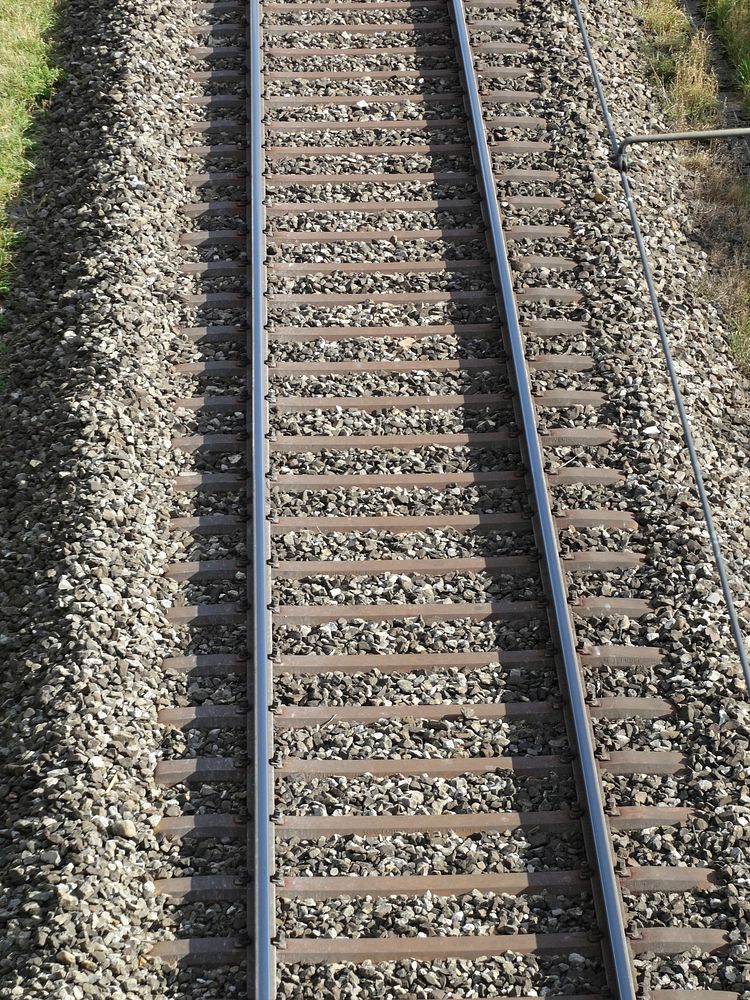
(617, 944)
(261, 972)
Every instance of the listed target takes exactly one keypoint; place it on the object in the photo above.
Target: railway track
(400, 507)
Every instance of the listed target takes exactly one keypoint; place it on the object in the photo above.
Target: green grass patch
(731, 19)
(670, 25)
(27, 77)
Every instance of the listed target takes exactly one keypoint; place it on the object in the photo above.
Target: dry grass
(730, 288)
(722, 210)
(26, 79)
(719, 185)
(693, 95)
(681, 62)
(740, 340)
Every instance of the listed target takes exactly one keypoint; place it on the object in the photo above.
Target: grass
(27, 77)
(681, 62)
(732, 292)
(680, 58)
(671, 28)
(722, 212)
(695, 89)
(732, 23)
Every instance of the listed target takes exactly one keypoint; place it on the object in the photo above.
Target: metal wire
(718, 133)
(617, 941)
(261, 971)
(617, 148)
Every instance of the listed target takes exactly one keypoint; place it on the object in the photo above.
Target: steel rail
(261, 970)
(687, 434)
(616, 939)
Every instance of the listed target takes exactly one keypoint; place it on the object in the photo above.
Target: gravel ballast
(86, 496)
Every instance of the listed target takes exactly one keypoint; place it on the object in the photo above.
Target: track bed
(475, 782)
